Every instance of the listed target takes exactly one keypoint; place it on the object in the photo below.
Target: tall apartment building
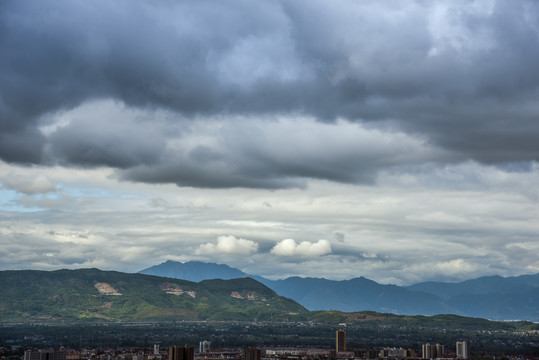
(340, 340)
(181, 353)
(426, 351)
(440, 351)
(204, 346)
(431, 351)
(44, 355)
(409, 353)
(463, 350)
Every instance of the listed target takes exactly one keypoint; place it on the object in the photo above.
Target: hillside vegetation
(91, 294)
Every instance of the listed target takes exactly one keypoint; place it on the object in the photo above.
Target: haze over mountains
(492, 297)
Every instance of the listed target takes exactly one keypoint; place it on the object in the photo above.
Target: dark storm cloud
(108, 137)
(463, 76)
(279, 154)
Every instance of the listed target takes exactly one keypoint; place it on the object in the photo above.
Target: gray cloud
(262, 152)
(27, 185)
(108, 135)
(279, 154)
(462, 77)
(339, 236)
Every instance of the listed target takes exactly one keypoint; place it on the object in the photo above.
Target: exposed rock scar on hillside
(236, 295)
(105, 289)
(176, 290)
(249, 295)
(171, 289)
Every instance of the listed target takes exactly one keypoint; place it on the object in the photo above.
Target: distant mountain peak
(194, 271)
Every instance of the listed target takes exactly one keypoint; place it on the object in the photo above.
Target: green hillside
(444, 321)
(93, 295)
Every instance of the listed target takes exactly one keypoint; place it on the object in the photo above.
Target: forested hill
(92, 294)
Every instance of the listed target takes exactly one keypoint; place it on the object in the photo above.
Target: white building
(431, 351)
(204, 346)
(463, 350)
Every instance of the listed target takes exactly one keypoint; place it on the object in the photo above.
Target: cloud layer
(455, 223)
(461, 78)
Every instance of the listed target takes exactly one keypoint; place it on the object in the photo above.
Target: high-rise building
(340, 340)
(426, 351)
(251, 353)
(463, 350)
(44, 355)
(409, 353)
(156, 349)
(440, 351)
(431, 351)
(181, 353)
(204, 346)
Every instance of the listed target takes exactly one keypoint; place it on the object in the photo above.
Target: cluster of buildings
(437, 351)
(45, 355)
(431, 351)
(428, 351)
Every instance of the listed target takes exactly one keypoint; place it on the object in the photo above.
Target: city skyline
(395, 141)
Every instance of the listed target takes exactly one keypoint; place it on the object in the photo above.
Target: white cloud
(289, 247)
(29, 185)
(228, 245)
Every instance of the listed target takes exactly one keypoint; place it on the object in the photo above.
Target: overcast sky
(396, 140)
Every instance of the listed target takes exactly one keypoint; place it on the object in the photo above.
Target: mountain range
(492, 297)
(93, 295)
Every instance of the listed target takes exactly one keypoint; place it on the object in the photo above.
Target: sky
(395, 140)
